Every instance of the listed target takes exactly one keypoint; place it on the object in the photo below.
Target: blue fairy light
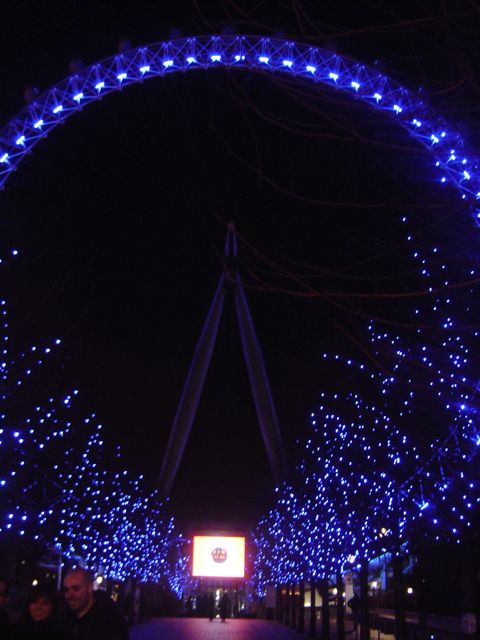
(253, 52)
(111, 520)
(361, 479)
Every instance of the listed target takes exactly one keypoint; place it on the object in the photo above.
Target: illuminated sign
(218, 556)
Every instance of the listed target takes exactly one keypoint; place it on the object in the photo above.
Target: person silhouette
(224, 606)
(211, 606)
(354, 604)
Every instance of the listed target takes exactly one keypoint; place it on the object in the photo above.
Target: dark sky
(120, 216)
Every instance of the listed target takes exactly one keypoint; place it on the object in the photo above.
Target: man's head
(4, 589)
(78, 590)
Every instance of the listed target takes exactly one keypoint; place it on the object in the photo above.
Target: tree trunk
(340, 608)
(286, 618)
(278, 608)
(293, 608)
(364, 614)
(325, 610)
(283, 600)
(399, 597)
(313, 615)
(470, 589)
(301, 608)
(421, 584)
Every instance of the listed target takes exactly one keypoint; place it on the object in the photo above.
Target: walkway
(202, 629)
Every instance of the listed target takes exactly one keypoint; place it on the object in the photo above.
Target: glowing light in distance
(219, 556)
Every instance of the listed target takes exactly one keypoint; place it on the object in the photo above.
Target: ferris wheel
(453, 162)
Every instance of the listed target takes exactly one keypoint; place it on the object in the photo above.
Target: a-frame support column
(193, 387)
(192, 391)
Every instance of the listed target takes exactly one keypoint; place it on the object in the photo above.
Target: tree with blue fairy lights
(362, 487)
(62, 489)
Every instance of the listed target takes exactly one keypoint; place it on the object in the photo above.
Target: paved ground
(240, 629)
(202, 629)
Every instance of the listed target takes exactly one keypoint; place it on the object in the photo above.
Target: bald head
(78, 591)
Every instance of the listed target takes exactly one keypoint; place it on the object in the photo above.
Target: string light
(252, 52)
(69, 495)
(363, 486)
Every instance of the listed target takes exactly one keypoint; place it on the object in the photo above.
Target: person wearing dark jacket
(224, 606)
(40, 622)
(93, 615)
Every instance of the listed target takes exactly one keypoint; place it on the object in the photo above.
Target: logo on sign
(219, 555)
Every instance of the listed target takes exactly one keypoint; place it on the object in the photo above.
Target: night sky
(120, 217)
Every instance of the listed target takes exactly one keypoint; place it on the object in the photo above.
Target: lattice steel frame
(455, 164)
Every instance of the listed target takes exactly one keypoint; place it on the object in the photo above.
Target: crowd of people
(85, 614)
